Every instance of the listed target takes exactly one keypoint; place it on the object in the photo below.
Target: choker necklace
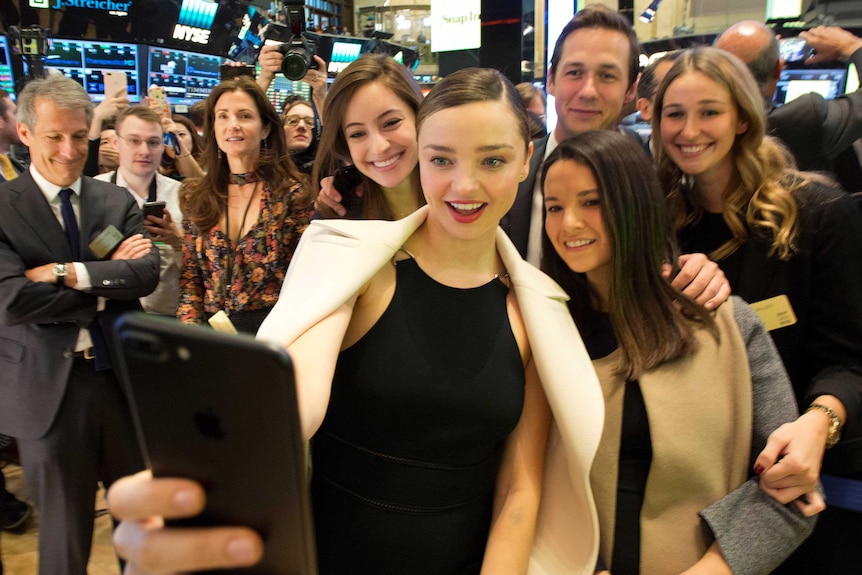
(246, 178)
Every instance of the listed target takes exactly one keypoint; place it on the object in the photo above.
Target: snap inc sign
(455, 25)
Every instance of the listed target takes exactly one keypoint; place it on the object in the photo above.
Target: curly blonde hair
(760, 194)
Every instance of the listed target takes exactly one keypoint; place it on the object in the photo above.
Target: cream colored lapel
(567, 533)
(333, 260)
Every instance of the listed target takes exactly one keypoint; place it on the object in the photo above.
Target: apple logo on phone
(209, 424)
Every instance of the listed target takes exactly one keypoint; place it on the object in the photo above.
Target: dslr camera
(298, 56)
(297, 46)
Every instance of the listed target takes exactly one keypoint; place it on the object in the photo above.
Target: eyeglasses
(293, 121)
(134, 142)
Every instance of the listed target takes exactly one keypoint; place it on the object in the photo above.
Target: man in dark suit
(815, 130)
(58, 295)
(592, 75)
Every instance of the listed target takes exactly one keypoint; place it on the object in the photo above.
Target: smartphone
(113, 81)
(158, 101)
(221, 409)
(154, 209)
(172, 141)
(794, 49)
(346, 179)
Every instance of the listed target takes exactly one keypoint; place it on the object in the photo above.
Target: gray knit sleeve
(755, 532)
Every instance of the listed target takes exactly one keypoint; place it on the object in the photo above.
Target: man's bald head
(756, 45)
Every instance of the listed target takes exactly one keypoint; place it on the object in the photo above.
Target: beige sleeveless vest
(700, 419)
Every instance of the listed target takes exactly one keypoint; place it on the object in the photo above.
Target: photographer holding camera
(270, 60)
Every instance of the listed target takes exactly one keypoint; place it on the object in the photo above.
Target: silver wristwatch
(60, 272)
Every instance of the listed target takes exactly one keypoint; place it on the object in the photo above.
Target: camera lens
(295, 64)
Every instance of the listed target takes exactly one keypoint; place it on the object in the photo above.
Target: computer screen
(852, 79)
(7, 82)
(248, 39)
(281, 88)
(85, 61)
(794, 82)
(186, 76)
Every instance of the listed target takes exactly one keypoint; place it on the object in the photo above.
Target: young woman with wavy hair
(791, 246)
(370, 122)
(684, 388)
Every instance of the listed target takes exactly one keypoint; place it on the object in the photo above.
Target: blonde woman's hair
(760, 194)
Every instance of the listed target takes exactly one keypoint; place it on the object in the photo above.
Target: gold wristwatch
(834, 435)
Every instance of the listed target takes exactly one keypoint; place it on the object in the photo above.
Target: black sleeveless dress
(406, 460)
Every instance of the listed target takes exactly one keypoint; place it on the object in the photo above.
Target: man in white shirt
(139, 140)
(59, 296)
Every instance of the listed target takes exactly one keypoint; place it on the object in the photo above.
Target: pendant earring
(220, 155)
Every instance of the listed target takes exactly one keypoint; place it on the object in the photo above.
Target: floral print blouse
(259, 260)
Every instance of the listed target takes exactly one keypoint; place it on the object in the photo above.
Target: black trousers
(91, 440)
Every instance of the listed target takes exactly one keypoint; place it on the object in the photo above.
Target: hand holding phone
(158, 101)
(346, 180)
(114, 81)
(221, 410)
(154, 209)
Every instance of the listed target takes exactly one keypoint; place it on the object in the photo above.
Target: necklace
(246, 178)
(229, 269)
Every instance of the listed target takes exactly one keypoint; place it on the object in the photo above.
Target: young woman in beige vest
(691, 395)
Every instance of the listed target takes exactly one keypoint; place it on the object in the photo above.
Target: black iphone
(221, 409)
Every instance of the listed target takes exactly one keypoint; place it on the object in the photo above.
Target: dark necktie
(74, 235)
(71, 223)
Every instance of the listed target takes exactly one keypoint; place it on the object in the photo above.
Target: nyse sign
(191, 34)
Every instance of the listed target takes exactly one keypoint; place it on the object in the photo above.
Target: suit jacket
(815, 129)
(40, 322)
(516, 223)
(335, 258)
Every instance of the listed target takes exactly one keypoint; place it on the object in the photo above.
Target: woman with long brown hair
(370, 122)
(244, 217)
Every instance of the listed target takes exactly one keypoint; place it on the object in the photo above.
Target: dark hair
(203, 199)
(197, 113)
(529, 92)
(5, 100)
(294, 100)
(600, 16)
(648, 326)
(647, 85)
(765, 63)
(333, 151)
(538, 129)
(471, 85)
(197, 141)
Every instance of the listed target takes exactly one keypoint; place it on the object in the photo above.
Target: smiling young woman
(787, 242)
(421, 365)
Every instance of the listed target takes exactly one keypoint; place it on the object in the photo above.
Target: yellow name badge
(775, 312)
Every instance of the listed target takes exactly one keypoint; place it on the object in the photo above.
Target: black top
(635, 458)
(406, 460)
(823, 350)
